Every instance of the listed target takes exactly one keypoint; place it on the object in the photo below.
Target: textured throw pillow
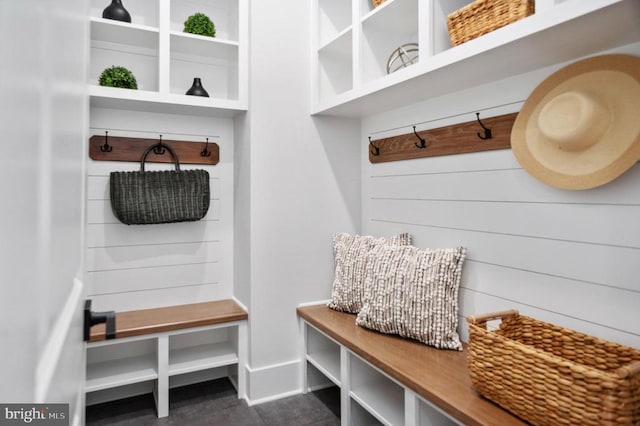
(350, 253)
(414, 293)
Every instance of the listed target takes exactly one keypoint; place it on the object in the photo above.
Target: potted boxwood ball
(116, 76)
(200, 24)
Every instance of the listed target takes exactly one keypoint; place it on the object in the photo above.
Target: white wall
(567, 257)
(301, 185)
(43, 117)
(143, 266)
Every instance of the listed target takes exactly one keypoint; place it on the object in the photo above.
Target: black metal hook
(422, 141)
(106, 147)
(158, 149)
(487, 132)
(205, 152)
(376, 150)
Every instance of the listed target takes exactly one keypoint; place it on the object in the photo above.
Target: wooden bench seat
(204, 336)
(438, 376)
(170, 318)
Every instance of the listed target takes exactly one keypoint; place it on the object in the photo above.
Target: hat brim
(615, 79)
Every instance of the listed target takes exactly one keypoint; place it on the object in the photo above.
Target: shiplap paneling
(113, 281)
(117, 234)
(183, 294)
(595, 224)
(567, 257)
(144, 266)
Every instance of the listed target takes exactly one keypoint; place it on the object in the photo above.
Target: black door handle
(92, 318)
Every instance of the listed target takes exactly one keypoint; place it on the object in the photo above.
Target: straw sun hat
(580, 128)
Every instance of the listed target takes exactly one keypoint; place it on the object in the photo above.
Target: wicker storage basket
(377, 3)
(483, 16)
(549, 375)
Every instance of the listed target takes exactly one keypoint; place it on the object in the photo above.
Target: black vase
(116, 11)
(197, 89)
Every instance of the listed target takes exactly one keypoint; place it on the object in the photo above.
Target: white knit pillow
(350, 253)
(414, 293)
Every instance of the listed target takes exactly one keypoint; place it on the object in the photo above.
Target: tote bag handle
(159, 145)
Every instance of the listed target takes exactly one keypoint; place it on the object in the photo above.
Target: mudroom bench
(393, 380)
(154, 345)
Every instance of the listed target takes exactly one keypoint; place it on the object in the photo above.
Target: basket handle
(629, 370)
(160, 146)
(482, 318)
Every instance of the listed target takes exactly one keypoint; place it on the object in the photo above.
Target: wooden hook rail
(131, 149)
(454, 139)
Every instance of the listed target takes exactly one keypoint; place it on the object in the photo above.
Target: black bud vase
(197, 89)
(116, 11)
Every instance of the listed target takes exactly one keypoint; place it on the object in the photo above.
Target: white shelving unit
(165, 60)
(324, 354)
(368, 396)
(376, 393)
(109, 374)
(156, 357)
(352, 42)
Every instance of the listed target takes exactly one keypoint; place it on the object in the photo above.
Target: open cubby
(143, 12)
(361, 417)
(391, 25)
(195, 351)
(334, 18)
(441, 9)
(223, 14)
(374, 391)
(324, 354)
(141, 61)
(428, 415)
(374, 33)
(336, 66)
(215, 63)
(165, 60)
(121, 364)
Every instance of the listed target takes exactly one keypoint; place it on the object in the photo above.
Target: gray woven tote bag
(148, 197)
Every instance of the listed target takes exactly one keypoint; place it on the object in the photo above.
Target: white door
(43, 122)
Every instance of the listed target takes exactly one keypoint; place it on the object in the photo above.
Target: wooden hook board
(454, 139)
(131, 149)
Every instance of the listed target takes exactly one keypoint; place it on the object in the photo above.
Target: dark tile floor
(216, 403)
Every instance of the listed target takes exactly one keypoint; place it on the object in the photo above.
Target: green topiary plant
(118, 77)
(200, 24)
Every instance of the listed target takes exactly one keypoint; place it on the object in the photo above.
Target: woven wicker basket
(377, 3)
(549, 375)
(483, 16)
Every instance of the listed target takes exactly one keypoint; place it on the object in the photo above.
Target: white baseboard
(273, 398)
(273, 382)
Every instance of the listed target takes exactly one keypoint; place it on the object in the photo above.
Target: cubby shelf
(559, 31)
(324, 354)
(328, 362)
(107, 30)
(121, 372)
(143, 100)
(165, 60)
(376, 393)
(202, 357)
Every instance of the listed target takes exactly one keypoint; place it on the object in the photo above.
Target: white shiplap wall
(567, 257)
(143, 266)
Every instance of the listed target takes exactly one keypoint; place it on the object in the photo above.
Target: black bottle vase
(197, 89)
(116, 11)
